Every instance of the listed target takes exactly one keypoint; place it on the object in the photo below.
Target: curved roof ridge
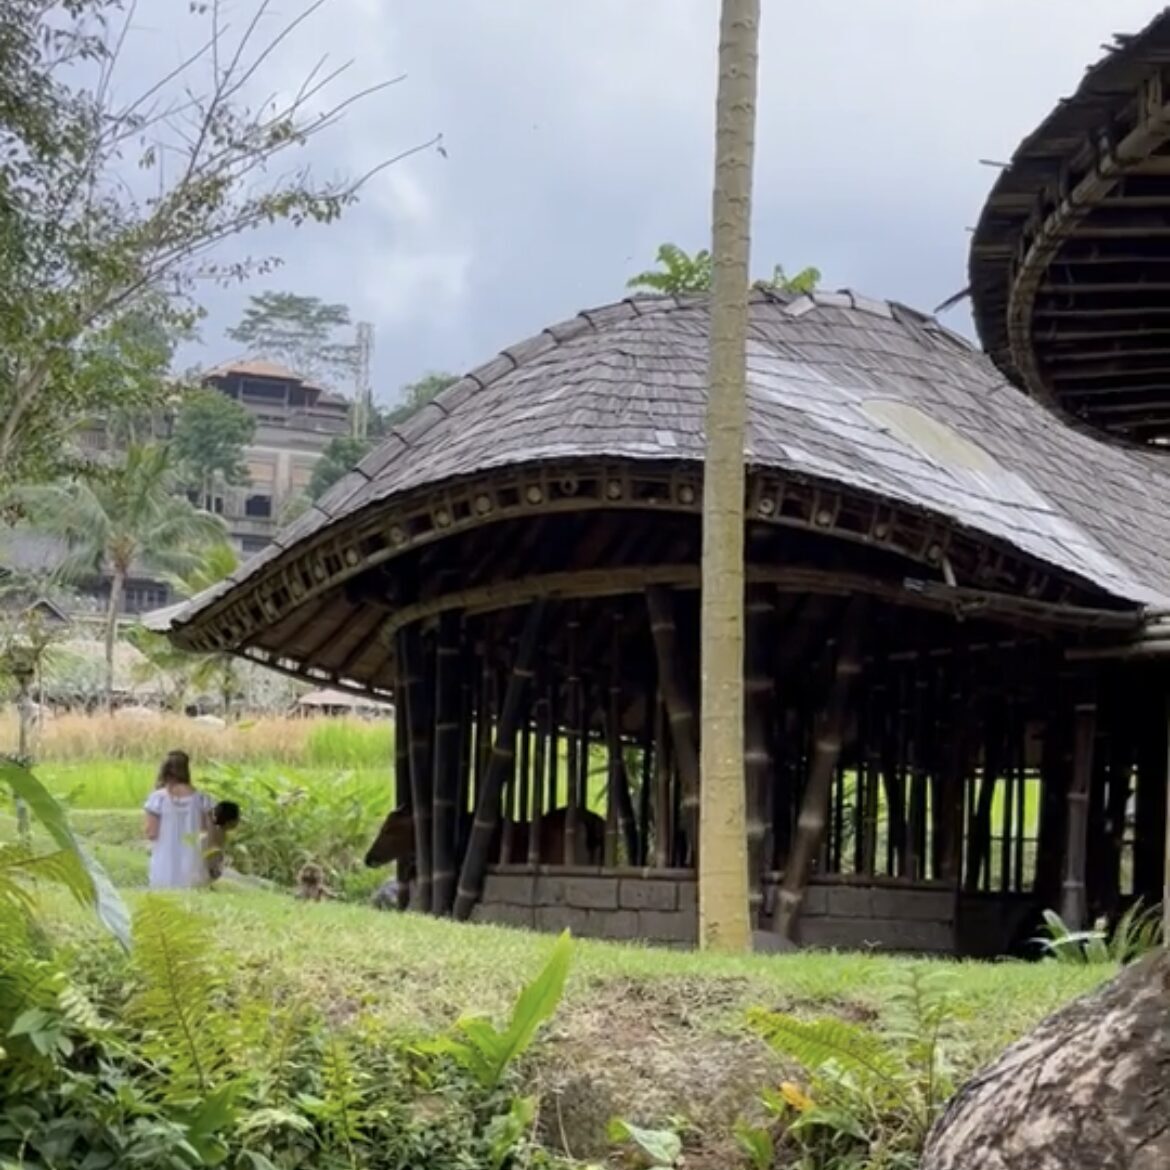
(846, 393)
(512, 357)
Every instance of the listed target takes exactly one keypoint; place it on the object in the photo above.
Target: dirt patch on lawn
(653, 1052)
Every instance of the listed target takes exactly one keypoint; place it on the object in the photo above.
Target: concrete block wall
(658, 906)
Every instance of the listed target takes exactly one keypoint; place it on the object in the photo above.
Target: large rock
(1088, 1089)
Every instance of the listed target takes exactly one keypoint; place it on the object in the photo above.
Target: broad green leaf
(662, 1146)
(95, 889)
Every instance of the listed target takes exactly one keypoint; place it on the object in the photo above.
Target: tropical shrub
(1137, 932)
(285, 822)
(165, 1066)
(872, 1093)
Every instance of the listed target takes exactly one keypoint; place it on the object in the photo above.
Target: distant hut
(948, 594)
(334, 702)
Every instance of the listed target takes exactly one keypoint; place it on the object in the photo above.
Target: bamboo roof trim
(843, 390)
(1070, 261)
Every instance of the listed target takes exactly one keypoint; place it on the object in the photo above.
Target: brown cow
(395, 839)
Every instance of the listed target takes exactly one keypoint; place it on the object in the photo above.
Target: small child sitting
(225, 816)
(311, 885)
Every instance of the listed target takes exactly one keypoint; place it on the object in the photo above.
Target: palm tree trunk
(723, 878)
(117, 586)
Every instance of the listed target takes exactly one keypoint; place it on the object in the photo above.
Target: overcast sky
(579, 135)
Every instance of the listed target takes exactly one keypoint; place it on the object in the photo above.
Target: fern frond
(177, 1004)
(816, 1043)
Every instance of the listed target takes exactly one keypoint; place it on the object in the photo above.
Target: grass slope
(645, 1034)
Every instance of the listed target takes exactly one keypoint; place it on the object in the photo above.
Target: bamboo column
(1073, 908)
(645, 793)
(811, 824)
(1166, 855)
(679, 710)
(503, 750)
(758, 700)
(419, 725)
(446, 763)
(614, 775)
(574, 707)
(979, 838)
(663, 797)
(543, 729)
(624, 818)
(952, 786)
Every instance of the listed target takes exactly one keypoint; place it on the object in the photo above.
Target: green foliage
(1137, 932)
(161, 1066)
(298, 330)
(345, 451)
(339, 457)
(679, 273)
(415, 395)
(210, 433)
(873, 1094)
(69, 865)
(487, 1052)
(86, 257)
(286, 822)
(122, 518)
(659, 1149)
(805, 281)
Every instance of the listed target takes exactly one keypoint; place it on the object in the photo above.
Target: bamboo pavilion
(957, 589)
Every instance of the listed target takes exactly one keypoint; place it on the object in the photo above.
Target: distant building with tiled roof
(295, 421)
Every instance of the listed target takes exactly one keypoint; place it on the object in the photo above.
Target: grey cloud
(579, 136)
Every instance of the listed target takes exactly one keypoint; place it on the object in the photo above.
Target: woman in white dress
(177, 817)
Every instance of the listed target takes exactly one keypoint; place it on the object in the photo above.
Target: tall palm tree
(723, 879)
(180, 670)
(128, 517)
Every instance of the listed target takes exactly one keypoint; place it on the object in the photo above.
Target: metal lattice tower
(364, 403)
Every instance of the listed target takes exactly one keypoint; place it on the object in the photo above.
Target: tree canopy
(121, 519)
(300, 331)
(344, 451)
(211, 432)
(113, 203)
(678, 273)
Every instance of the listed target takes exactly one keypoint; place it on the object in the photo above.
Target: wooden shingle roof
(843, 390)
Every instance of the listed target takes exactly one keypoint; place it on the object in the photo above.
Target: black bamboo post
(979, 837)
(676, 692)
(574, 707)
(759, 695)
(956, 765)
(466, 747)
(488, 808)
(619, 779)
(410, 652)
(614, 774)
(645, 792)
(1073, 907)
(663, 795)
(1120, 787)
(811, 824)
(540, 755)
(445, 777)
(552, 798)
(1021, 806)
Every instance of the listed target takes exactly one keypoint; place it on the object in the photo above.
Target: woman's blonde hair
(175, 769)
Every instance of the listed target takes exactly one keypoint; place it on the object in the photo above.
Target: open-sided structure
(956, 713)
(1070, 265)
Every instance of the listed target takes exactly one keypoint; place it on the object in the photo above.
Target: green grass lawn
(643, 1033)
